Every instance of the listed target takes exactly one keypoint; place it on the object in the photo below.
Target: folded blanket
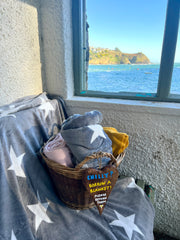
(86, 136)
(77, 120)
(120, 141)
(56, 150)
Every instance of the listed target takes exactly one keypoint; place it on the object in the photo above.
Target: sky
(131, 25)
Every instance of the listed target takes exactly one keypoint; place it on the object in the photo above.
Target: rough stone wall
(20, 66)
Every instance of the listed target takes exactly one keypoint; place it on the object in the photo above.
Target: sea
(129, 78)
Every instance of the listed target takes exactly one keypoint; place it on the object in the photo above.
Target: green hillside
(106, 56)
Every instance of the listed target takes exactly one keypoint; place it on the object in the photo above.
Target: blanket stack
(83, 135)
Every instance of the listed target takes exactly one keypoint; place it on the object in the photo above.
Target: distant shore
(124, 64)
(105, 56)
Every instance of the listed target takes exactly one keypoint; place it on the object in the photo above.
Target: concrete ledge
(162, 108)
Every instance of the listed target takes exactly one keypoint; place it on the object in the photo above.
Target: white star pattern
(127, 223)
(16, 108)
(97, 131)
(133, 185)
(6, 114)
(13, 237)
(12, 108)
(47, 107)
(43, 100)
(16, 163)
(39, 211)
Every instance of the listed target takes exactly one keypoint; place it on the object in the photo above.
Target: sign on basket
(99, 184)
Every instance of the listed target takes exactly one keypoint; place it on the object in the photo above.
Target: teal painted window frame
(166, 64)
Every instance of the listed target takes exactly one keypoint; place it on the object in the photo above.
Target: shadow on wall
(37, 5)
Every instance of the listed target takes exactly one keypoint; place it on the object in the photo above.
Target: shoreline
(124, 64)
(129, 64)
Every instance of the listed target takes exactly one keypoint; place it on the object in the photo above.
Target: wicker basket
(68, 181)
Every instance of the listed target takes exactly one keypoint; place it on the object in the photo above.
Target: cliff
(106, 56)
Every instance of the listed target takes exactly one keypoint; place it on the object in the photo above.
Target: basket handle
(97, 156)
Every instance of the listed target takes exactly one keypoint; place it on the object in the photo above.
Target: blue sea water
(129, 78)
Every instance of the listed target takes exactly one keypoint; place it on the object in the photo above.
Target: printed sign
(100, 183)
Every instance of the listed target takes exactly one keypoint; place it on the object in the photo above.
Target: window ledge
(161, 108)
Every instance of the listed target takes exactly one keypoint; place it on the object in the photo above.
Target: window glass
(175, 84)
(125, 39)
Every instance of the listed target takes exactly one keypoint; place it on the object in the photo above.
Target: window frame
(166, 64)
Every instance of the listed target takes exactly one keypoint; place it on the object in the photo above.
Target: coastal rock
(107, 56)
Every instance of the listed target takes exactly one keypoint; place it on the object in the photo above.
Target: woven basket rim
(76, 172)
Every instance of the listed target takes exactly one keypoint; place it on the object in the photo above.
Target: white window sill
(163, 108)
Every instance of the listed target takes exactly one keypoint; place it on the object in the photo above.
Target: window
(119, 74)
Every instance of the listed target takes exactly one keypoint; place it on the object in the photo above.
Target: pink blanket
(57, 151)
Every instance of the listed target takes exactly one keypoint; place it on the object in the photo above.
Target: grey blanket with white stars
(29, 206)
(84, 136)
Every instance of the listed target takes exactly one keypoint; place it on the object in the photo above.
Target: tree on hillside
(117, 49)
